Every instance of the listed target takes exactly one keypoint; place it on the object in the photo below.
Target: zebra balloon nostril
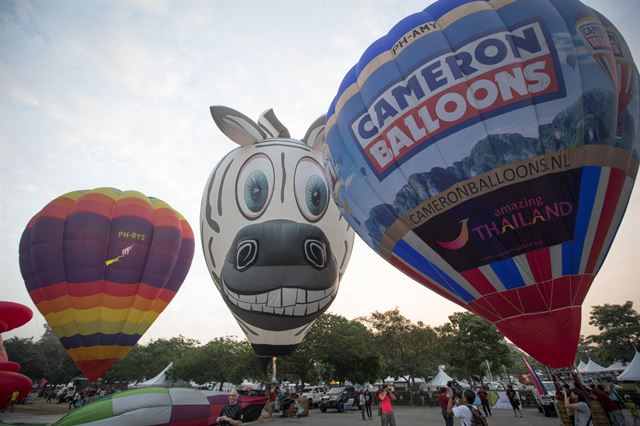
(315, 253)
(246, 254)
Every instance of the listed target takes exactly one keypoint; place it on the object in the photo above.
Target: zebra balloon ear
(272, 126)
(314, 138)
(237, 126)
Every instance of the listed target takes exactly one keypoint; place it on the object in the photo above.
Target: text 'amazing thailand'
(485, 77)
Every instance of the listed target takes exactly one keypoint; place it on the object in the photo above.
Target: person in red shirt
(271, 403)
(611, 408)
(443, 401)
(484, 399)
(384, 398)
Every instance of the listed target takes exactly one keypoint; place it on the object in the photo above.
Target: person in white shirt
(361, 403)
(461, 410)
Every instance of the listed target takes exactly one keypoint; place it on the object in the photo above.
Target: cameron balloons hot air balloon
(101, 265)
(275, 245)
(488, 150)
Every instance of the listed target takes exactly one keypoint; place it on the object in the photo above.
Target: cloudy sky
(118, 93)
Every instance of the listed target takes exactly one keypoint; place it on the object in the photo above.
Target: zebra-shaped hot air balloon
(274, 243)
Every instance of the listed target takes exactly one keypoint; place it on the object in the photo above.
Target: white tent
(581, 366)
(616, 366)
(593, 367)
(162, 380)
(440, 379)
(632, 372)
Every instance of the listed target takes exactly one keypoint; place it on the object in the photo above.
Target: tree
(133, 367)
(619, 327)
(146, 361)
(339, 349)
(220, 360)
(468, 341)
(45, 358)
(409, 350)
(586, 350)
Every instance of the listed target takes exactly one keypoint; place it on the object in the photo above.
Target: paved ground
(405, 416)
(414, 416)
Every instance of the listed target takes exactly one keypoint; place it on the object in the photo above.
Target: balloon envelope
(13, 315)
(274, 243)
(155, 406)
(101, 265)
(488, 149)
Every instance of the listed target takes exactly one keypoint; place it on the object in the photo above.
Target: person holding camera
(384, 399)
(461, 409)
(576, 403)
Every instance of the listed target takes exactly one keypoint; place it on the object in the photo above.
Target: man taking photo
(461, 410)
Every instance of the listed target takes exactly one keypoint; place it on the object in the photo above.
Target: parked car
(547, 403)
(337, 398)
(313, 394)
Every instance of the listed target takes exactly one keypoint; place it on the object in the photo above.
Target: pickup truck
(338, 397)
(313, 394)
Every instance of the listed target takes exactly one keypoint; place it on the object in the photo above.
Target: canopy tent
(581, 366)
(162, 380)
(616, 366)
(632, 372)
(440, 379)
(593, 367)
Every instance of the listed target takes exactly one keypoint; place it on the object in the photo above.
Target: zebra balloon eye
(311, 189)
(254, 186)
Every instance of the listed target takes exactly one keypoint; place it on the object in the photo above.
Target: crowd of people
(576, 402)
(454, 402)
(465, 405)
(74, 395)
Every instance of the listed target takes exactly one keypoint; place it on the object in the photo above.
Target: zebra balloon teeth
(274, 242)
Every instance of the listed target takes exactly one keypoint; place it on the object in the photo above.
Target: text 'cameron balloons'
(275, 245)
(101, 265)
(488, 150)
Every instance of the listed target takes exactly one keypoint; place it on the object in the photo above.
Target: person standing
(634, 410)
(231, 414)
(484, 399)
(271, 403)
(362, 403)
(610, 407)
(15, 396)
(613, 395)
(577, 406)
(514, 400)
(443, 401)
(462, 408)
(367, 402)
(384, 398)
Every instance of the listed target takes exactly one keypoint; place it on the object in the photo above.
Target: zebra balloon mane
(274, 243)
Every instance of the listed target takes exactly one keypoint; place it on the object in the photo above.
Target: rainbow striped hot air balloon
(488, 149)
(101, 265)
